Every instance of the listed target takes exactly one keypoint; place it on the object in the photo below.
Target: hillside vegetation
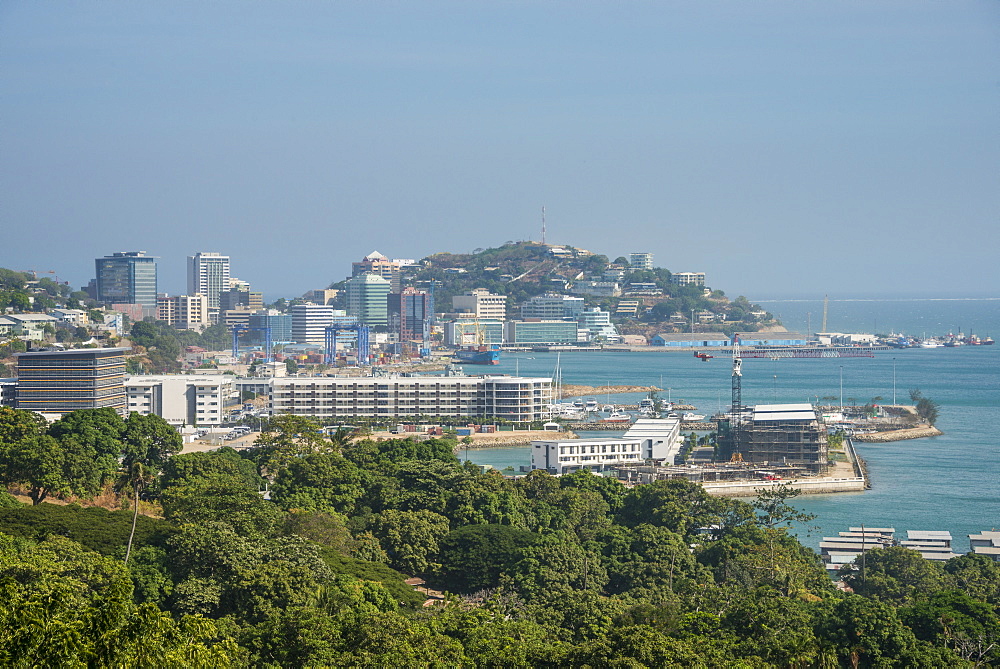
(540, 571)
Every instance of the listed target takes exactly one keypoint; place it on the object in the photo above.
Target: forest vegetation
(538, 571)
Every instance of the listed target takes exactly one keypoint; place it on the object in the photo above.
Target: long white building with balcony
(517, 399)
(647, 439)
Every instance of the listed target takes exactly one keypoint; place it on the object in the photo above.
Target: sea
(949, 482)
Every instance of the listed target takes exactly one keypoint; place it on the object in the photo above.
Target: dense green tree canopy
(295, 553)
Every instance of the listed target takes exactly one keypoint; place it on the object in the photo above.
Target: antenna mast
(543, 224)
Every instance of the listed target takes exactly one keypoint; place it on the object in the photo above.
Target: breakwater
(519, 438)
(806, 486)
(898, 435)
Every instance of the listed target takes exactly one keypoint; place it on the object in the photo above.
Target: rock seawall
(898, 435)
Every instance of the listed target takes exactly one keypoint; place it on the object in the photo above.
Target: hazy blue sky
(781, 147)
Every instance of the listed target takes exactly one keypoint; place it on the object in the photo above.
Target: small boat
(567, 411)
(592, 406)
(988, 341)
(618, 417)
(693, 417)
(609, 408)
(930, 343)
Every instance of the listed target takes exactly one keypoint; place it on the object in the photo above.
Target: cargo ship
(484, 354)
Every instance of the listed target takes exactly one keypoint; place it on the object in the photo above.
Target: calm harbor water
(950, 482)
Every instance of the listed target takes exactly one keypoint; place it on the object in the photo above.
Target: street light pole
(894, 382)
(841, 390)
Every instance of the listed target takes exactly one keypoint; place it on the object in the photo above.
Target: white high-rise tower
(208, 274)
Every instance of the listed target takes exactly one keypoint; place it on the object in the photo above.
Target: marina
(949, 479)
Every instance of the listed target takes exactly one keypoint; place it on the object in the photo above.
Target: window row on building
(517, 399)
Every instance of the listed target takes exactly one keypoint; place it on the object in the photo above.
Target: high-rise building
(367, 299)
(126, 277)
(481, 303)
(309, 323)
(208, 274)
(640, 260)
(376, 263)
(60, 382)
(409, 316)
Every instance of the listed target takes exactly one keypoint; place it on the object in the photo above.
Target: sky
(784, 148)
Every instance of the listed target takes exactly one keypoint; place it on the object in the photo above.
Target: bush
(364, 570)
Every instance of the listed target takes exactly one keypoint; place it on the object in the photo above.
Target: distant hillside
(521, 270)
(518, 270)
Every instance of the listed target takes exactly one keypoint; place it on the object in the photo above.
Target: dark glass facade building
(127, 277)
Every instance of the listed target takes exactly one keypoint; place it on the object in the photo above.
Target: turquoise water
(951, 482)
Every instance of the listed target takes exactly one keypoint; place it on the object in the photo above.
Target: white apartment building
(640, 260)
(208, 274)
(182, 400)
(309, 322)
(481, 303)
(560, 456)
(518, 399)
(30, 327)
(76, 317)
(647, 439)
(688, 278)
(185, 312)
(597, 324)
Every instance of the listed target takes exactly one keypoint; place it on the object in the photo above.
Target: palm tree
(136, 477)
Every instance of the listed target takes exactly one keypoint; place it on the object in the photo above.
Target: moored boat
(618, 417)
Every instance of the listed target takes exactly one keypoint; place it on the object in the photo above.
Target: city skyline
(781, 148)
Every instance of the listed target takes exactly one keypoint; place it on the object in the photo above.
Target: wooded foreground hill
(575, 570)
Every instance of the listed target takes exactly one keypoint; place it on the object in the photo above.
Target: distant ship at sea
(484, 354)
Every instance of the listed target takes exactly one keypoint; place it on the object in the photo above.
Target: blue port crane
(237, 330)
(330, 343)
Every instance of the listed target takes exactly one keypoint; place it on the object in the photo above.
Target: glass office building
(127, 277)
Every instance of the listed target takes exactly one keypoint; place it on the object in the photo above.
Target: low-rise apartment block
(517, 399)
